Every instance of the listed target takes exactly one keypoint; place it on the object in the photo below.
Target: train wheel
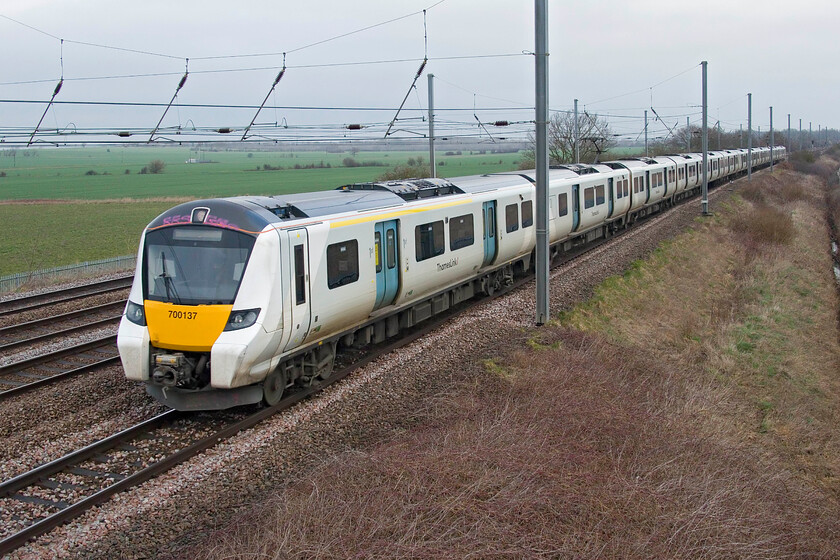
(325, 360)
(274, 386)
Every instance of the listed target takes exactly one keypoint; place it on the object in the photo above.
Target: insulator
(124, 134)
(353, 127)
(501, 123)
(224, 130)
(183, 81)
(279, 76)
(58, 87)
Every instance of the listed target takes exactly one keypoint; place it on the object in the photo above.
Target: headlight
(242, 319)
(135, 313)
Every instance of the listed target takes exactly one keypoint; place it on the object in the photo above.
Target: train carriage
(234, 300)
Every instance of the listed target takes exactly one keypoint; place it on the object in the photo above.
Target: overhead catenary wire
(264, 68)
(666, 80)
(229, 56)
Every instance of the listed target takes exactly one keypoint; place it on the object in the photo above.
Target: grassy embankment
(38, 234)
(688, 410)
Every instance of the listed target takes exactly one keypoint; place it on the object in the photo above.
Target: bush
(765, 224)
(405, 172)
(2, 173)
(349, 162)
(155, 166)
(91, 172)
(128, 171)
(805, 162)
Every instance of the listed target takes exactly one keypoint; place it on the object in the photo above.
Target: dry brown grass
(689, 410)
(588, 452)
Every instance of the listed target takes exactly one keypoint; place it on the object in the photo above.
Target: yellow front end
(188, 328)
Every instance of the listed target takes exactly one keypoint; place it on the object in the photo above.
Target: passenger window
(511, 218)
(377, 251)
(300, 276)
(428, 239)
(599, 194)
(391, 247)
(563, 205)
(588, 197)
(527, 214)
(461, 232)
(626, 187)
(342, 263)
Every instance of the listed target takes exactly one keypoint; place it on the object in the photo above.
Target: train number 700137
(182, 314)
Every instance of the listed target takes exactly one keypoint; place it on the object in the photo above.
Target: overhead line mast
(541, 158)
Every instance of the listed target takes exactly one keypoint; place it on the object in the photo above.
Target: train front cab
(198, 316)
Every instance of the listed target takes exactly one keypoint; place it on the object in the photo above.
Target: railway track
(29, 303)
(42, 330)
(56, 492)
(31, 373)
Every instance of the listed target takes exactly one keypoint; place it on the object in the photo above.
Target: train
(237, 300)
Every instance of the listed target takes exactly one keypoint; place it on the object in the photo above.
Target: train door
(575, 207)
(297, 262)
(647, 186)
(387, 262)
(610, 197)
(489, 213)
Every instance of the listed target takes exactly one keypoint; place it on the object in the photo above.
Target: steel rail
(37, 301)
(56, 334)
(56, 355)
(8, 393)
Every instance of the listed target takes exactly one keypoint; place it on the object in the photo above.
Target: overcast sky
(785, 53)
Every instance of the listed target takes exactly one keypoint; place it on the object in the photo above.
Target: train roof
(633, 163)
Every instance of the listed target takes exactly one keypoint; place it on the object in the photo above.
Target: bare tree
(595, 137)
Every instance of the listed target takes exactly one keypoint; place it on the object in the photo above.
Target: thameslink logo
(450, 264)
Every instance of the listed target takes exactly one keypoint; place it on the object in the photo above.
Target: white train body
(236, 299)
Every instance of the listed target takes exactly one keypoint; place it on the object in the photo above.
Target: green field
(36, 236)
(61, 173)
(64, 219)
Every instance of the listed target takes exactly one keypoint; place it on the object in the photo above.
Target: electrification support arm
(267, 95)
(413, 83)
(171, 101)
(55, 92)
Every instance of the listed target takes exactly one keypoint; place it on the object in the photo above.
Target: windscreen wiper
(168, 283)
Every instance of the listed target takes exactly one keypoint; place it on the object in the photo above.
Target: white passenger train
(234, 300)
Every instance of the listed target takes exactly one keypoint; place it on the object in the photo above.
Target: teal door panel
(387, 261)
(489, 213)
